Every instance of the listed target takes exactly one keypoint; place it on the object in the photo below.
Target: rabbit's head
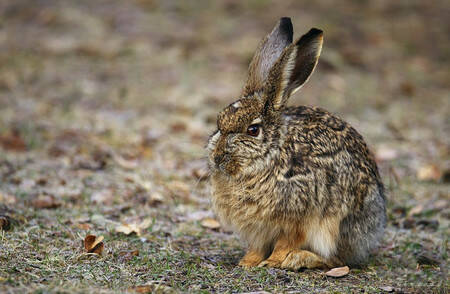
(249, 130)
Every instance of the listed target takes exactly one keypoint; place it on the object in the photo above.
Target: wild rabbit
(297, 183)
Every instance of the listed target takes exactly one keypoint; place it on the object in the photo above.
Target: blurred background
(106, 105)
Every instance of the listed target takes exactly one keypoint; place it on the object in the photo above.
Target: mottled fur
(306, 191)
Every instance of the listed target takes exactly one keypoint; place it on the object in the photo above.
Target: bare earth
(106, 105)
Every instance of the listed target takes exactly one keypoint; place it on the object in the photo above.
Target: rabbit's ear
(267, 53)
(293, 68)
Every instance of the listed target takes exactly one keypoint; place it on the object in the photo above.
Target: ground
(106, 106)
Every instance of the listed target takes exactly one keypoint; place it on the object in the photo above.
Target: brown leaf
(142, 289)
(210, 223)
(387, 288)
(126, 163)
(104, 196)
(153, 288)
(179, 189)
(126, 256)
(93, 244)
(416, 210)
(45, 201)
(338, 272)
(13, 141)
(178, 127)
(429, 173)
(7, 198)
(385, 153)
(5, 224)
(83, 226)
(135, 227)
(200, 173)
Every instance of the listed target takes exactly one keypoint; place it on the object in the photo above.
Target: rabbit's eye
(253, 130)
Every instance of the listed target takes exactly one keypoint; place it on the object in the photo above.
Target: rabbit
(298, 184)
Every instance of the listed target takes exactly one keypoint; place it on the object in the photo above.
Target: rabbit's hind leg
(251, 258)
(306, 259)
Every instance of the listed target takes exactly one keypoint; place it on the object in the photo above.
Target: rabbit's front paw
(251, 259)
(276, 258)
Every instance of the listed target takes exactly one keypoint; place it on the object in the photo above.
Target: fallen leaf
(45, 201)
(104, 196)
(13, 141)
(338, 272)
(179, 189)
(135, 228)
(387, 288)
(7, 198)
(210, 223)
(416, 210)
(153, 288)
(178, 127)
(429, 173)
(385, 153)
(83, 226)
(126, 256)
(200, 173)
(441, 204)
(93, 244)
(142, 289)
(4, 223)
(155, 198)
(125, 163)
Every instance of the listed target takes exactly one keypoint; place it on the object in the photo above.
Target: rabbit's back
(345, 182)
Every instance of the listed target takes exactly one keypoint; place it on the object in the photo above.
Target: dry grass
(105, 106)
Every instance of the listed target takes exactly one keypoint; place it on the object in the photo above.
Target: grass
(111, 103)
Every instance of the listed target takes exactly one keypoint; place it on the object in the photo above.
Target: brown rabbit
(297, 183)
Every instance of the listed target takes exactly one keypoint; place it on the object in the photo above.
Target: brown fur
(306, 191)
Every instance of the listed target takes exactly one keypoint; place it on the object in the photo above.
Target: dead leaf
(416, 210)
(13, 141)
(155, 199)
(387, 288)
(83, 226)
(93, 244)
(5, 224)
(179, 189)
(45, 201)
(338, 272)
(152, 288)
(441, 204)
(135, 228)
(126, 163)
(7, 198)
(104, 196)
(200, 173)
(178, 127)
(126, 256)
(429, 173)
(385, 153)
(142, 289)
(210, 223)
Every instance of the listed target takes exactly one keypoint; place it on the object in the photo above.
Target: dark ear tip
(286, 28)
(315, 32)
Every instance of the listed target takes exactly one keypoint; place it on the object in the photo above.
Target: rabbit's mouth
(225, 164)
